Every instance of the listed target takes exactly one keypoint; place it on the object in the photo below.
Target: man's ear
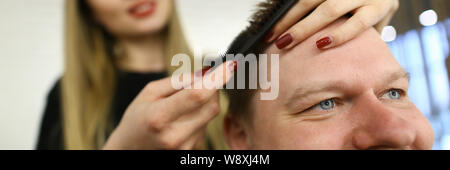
(235, 133)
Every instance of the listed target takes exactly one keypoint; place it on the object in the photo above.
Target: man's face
(350, 97)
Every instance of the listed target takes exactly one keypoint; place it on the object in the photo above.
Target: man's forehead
(360, 54)
(365, 59)
(309, 44)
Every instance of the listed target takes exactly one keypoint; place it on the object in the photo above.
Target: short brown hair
(240, 99)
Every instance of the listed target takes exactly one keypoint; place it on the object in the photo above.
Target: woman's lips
(142, 8)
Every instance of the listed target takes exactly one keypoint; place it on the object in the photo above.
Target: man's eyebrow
(398, 75)
(302, 92)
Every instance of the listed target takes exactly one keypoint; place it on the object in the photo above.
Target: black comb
(243, 43)
(260, 24)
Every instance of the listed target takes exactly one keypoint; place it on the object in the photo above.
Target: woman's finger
(184, 130)
(301, 9)
(325, 14)
(198, 121)
(193, 143)
(166, 87)
(384, 22)
(390, 13)
(364, 18)
(188, 100)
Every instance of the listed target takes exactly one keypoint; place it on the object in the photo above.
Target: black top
(129, 84)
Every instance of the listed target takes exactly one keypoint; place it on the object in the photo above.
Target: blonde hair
(88, 82)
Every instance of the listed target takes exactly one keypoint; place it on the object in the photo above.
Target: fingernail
(324, 42)
(206, 69)
(284, 41)
(236, 64)
(269, 36)
(233, 66)
(202, 72)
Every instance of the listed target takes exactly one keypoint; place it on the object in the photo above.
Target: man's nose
(381, 126)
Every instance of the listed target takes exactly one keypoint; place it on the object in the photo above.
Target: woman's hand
(161, 117)
(367, 13)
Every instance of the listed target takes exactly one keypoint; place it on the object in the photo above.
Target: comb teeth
(265, 12)
(268, 14)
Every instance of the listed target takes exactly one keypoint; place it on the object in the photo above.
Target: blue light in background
(423, 53)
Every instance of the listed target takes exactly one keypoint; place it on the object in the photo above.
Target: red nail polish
(284, 41)
(269, 36)
(233, 66)
(202, 72)
(206, 69)
(322, 43)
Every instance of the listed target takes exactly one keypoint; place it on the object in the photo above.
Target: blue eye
(326, 104)
(393, 94)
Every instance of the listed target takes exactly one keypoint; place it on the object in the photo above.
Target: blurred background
(419, 39)
(31, 55)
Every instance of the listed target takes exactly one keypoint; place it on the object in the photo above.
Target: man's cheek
(309, 135)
